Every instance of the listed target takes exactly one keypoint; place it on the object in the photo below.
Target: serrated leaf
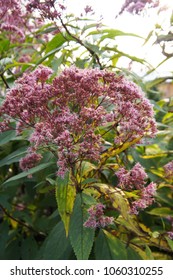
(65, 197)
(57, 245)
(109, 247)
(81, 238)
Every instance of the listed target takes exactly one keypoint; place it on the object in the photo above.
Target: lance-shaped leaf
(29, 172)
(56, 246)
(14, 156)
(81, 238)
(109, 247)
(65, 196)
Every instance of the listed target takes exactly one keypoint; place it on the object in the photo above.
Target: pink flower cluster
(137, 6)
(97, 217)
(12, 19)
(135, 180)
(30, 161)
(168, 169)
(170, 232)
(65, 114)
(47, 8)
(15, 33)
(17, 20)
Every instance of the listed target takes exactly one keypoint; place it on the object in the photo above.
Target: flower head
(135, 180)
(97, 217)
(29, 161)
(168, 169)
(66, 114)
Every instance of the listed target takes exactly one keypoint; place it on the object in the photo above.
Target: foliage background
(31, 225)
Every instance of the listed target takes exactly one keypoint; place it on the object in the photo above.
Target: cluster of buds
(168, 170)
(97, 219)
(65, 115)
(135, 180)
(137, 6)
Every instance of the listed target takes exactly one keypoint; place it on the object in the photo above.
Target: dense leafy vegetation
(84, 172)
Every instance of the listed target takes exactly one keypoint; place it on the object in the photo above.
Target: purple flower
(170, 234)
(67, 113)
(97, 217)
(137, 6)
(168, 169)
(88, 9)
(29, 161)
(133, 179)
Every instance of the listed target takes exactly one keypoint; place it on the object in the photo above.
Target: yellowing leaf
(111, 152)
(65, 196)
(14, 223)
(154, 156)
(86, 167)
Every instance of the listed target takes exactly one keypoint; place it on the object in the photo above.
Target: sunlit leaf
(65, 196)
(56, 42)
(162, 212)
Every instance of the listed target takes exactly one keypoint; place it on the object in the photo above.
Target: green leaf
(86, 27)
(57, 41)
(161, 211)
(87, 167)
(15, 64)
(29, 172)
(149, 253)
(170, 242)
(56, 246)
(7, 136)
(65, 197)
(47, 55)
(102, 249)
(81, 238)
(4, 229)
(112, 33)
(28, 248)
(4, 45)
(13, 157)
(155, 82)
(109, 247)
